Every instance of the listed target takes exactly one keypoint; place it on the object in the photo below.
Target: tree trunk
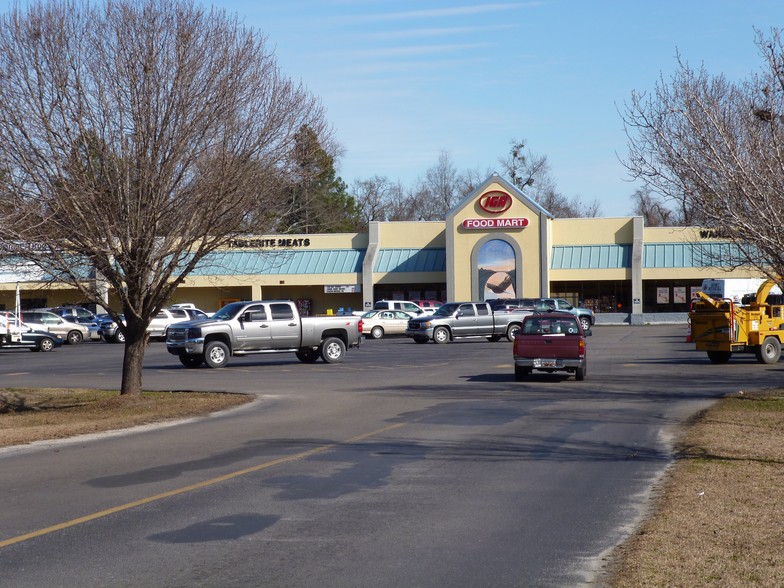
(133, 361)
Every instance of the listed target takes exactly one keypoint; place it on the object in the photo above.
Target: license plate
(545, 363)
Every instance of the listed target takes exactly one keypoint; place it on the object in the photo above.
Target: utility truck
(721, 327)
(733, 288)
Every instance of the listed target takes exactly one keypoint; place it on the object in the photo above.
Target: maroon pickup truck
(550, 342)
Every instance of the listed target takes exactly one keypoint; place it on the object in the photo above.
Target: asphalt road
(407, 465)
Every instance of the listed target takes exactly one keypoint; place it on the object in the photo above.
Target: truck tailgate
(546, 346)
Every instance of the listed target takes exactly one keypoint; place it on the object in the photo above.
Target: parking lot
(405, 465)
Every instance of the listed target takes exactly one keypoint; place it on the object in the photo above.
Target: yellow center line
(198, 485)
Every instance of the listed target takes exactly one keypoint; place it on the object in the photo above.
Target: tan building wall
(592, 231)
(465, 244)
(472, 231)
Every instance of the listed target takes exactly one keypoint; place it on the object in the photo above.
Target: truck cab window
(255, 314)
(281, 312)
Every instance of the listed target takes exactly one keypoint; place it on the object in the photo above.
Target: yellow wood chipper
(723, 327)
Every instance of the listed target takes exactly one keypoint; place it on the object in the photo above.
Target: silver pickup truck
(455, 320)
(262, 326)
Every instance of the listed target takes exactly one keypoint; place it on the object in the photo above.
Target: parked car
(27, 338)
(550, 342)
(82, 316)
(70, 310)
(428, 305)
(262, 326)
(455, 320)
(167, 316)
(377, 323)
(404, 305)
(109, 330)
(509, 303)
(584, 315)
(191, 306)
(43, 320)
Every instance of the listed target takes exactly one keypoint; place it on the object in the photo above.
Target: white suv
(167, 316)
(404, 305)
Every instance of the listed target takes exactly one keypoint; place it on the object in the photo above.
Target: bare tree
(717, 147)
(436, 194)
(526, 169)
(378, 199)
(652, 209)
(136, 136)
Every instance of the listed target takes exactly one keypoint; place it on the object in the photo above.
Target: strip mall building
(495, 243)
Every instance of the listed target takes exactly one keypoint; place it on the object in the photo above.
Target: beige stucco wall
(532, 245)
(592, 231)
(465, 243)
(688, 235)
(408, 235)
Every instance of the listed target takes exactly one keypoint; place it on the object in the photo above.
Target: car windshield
(229, 311)
(447, 309)
(370, 314)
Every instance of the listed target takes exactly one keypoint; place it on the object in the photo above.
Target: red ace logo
(495, 202)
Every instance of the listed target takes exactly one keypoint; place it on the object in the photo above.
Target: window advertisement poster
(497, 266)
(693, 292)
(662, 295)
(679, 295)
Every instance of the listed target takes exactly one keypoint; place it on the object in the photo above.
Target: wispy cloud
(421, 50)
(436, 32)
(471, 10)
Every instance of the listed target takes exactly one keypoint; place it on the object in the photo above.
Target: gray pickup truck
(262, 326)
(455, 320)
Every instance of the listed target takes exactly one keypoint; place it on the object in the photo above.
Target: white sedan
(377, 323)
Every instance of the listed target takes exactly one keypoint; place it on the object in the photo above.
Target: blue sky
(404, 80)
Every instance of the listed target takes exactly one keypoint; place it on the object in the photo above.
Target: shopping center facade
(495, 243)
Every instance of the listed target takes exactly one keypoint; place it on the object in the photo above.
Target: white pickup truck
(262, 326)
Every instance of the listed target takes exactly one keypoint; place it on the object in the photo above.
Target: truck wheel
(191, 361)
(421, 340)
(377, 332)
(580, 372)
(441, 335)
(307, 355)
(216, 354)
(521, 373)
(769, 351)
(74, 337)
(512, 331)
(333, 350)
(585, 322)
(119, 337)
(719, 356)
